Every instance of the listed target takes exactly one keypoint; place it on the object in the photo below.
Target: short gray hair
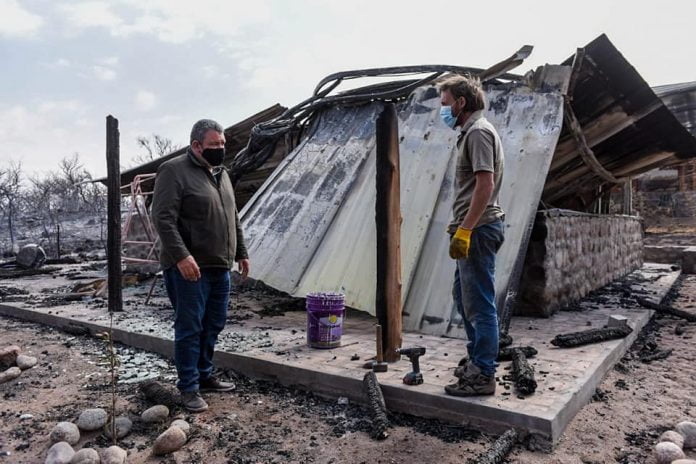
(202, 127)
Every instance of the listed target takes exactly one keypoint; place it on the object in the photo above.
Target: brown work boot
(193, 402)
(471, 382)
(212, 384)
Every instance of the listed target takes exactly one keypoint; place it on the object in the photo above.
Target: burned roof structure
(621, 129)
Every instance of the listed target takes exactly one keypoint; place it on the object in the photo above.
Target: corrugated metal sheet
(681, 100)
(629, 129)
(311, 226)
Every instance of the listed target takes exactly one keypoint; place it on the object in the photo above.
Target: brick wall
(570, 254)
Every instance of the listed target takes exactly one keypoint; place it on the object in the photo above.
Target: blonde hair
(467, 87)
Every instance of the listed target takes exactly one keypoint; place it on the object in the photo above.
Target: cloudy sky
(159, 65)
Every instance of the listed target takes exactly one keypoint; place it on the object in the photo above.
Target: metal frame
(137, 207)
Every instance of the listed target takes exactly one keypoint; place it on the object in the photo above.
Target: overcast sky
(159, 65)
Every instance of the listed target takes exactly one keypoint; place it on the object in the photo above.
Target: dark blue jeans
(200, 312)
(474, 296)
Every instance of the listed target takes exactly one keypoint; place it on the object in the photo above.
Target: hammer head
(380, 366)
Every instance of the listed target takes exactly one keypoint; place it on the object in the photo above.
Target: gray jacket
(195, 213)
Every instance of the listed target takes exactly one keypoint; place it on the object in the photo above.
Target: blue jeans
(200, 312)
(474, 296)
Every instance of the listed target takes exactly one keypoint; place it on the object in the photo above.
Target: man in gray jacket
(201, 237)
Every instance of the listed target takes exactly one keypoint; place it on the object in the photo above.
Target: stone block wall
(570, 254)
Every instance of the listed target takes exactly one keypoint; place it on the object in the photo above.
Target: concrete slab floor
(274, 348)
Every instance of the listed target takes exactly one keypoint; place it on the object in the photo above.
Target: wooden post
(58, 241)
(388, 219)
(113, 212)
(681, 170)
(628, 197)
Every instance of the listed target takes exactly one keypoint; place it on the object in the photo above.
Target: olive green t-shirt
(478, 149)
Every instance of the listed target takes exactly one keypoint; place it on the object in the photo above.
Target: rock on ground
(10, 374)
(65, 431)
(688, 431)
(86, 456)
(157, 413)
(169, 441)
(123, 426)
(60, 453)
(8, 356)
(31, 256)
(92, 419)
(182, 424)
(114, 455)
(673, 437)
(25, 362)
(666, 452)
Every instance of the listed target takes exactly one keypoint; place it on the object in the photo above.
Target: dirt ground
(262, 422)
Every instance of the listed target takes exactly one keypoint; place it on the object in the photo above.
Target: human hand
(244, 265)
(189, 269)
(460, 244)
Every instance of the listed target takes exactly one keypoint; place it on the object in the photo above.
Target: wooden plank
(113, 241)
(388, 221)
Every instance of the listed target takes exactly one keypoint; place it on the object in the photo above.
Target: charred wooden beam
(655, 356)
(504, 340)
(497, 453)
(113, 212)
(377, 406)
(156, 393)
(522, 373)
(590, 336)
(388, 219)
(669, 310)
(505, 354)
(586, 153)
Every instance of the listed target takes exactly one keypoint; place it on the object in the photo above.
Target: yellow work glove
(460, 243)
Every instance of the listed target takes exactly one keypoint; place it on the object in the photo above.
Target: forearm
(479, 202)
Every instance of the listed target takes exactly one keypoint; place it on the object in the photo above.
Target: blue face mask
(447, 117)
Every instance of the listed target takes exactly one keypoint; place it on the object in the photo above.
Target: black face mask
(214, 156)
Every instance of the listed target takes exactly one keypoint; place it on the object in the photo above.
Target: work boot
(193, 401)
(466, 368)
(461, 369)
(471, 382)
(212, 384)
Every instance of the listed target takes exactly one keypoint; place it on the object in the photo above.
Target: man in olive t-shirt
(476, 230)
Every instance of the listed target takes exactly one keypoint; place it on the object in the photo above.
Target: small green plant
(112, 361)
